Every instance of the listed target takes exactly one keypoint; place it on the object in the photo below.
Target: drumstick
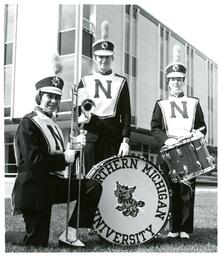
(201, 129)
(191, 134)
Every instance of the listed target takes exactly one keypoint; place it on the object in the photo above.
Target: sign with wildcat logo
(135, 203)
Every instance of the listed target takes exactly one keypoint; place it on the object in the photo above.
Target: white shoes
(72, 239)
(184, 235)
(177, 234)
(173, 235)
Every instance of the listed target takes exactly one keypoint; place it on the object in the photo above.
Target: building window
(134, 65)
(66, 41)
(127, 9)
(167, 47)
(9, 38)
(127, 33)
(67, 16)
(7, 85)
(211, 87)
(208, 99)
(10, 11)
(164, 58)
(8, 53)
(88, 16)
(86, 11)
(126, 66)
(88, 40)
(10, 163)
(130, 41)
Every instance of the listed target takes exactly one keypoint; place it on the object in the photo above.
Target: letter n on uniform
(175, 107)
(98, 85)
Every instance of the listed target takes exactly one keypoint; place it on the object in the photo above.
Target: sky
(195, 21)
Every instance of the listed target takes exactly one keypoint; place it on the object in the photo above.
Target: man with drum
(108, 130)
(174, 118)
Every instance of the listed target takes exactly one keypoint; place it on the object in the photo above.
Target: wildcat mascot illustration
(129, 205)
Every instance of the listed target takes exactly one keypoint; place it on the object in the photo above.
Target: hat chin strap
(175, 93)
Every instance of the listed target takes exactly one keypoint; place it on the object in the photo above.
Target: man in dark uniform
(108, 130)
(174, 118)
(40, 182)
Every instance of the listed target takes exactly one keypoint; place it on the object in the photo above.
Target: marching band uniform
(176, 117)
(40, 183)
(109, 126)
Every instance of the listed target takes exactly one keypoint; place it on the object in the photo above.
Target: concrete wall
(147, 86)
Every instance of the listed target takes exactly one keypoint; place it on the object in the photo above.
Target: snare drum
(135, 202)
(187, 159)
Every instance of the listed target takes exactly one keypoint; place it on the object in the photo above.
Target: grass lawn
(204, 238)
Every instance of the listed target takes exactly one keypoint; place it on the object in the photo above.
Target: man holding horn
(108, 129)
(40, 182)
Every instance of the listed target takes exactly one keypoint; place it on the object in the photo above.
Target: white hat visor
(175, 74)
(103, 53)
(51, 89)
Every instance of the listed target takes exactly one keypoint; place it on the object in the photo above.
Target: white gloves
(124, 149)
(69, 154)
(170, 141)
(77, 143)
(79, 140)
(197, 133)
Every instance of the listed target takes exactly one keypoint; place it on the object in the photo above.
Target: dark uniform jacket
(115, 127)
(34, 166)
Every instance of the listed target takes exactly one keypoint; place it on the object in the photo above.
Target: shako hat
(176, 68)
(51, 84)
(103, 46)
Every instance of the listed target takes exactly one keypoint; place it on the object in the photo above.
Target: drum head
(135, 202)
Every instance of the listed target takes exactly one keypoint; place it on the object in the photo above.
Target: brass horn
(87, 106)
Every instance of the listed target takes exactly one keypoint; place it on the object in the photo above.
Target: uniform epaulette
(160, 100)
(119, 75)
(31, 114)
(195, 98)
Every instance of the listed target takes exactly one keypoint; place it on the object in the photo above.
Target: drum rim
(166, 148)
(166, 179)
